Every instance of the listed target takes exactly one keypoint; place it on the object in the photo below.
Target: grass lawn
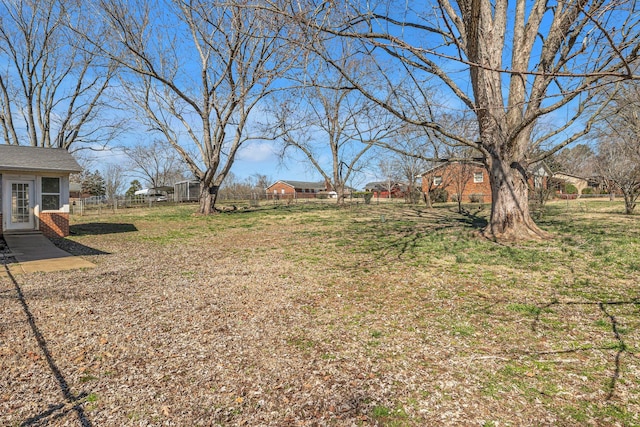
(311, 314)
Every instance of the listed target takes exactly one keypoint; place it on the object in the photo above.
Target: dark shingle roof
(27, 158)
(303, 184)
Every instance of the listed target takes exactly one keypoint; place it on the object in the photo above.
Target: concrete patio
(35, 253)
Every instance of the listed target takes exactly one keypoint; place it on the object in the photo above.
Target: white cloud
(257, 152)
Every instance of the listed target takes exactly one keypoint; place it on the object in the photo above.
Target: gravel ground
(252, 328)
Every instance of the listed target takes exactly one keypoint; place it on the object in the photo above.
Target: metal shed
(186, 191)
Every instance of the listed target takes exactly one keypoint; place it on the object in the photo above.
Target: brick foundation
(54, 224)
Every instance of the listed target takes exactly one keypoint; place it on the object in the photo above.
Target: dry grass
(311, 315)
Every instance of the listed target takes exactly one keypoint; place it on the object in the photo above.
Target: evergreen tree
(93, 183)
(135, 186)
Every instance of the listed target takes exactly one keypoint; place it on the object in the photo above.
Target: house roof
(302, 184)
(27, 158)
(384, 185)
(564, 175)
(539, 169)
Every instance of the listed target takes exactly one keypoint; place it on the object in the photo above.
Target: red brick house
(34, 189)
(470, 180)
(296, 189)
(386, 190)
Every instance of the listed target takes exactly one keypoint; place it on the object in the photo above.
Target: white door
(21, 203)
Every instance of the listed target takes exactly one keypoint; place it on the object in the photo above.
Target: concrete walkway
(34, 252)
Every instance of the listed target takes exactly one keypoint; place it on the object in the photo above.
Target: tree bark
(510, 216)
(208, 196)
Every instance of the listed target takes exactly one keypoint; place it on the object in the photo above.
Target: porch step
(22, 232)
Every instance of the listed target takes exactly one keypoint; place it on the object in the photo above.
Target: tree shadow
(97, 228)
(72, 402)
(77, 249)
(621, 348)
(472, 219)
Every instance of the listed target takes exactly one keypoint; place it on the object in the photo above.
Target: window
(437, 180)
(50, 194)
(478, 177)
(537, 181)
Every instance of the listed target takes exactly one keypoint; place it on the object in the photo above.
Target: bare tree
(114, 180)
(52, 87)
(157, 163)
(577, 160)
(618, 163)
(460, 173)
(412, 154)
(523, 61)
(412, 161)
(389, 171)
(618, 156)
(329, 118)
(199, 70)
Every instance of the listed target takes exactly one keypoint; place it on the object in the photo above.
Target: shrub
(587, 190)
(439, 195)
(367, 198)
(570, 189)
(476, 198)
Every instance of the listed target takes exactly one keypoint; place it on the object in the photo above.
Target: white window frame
(59, 193)
(437, 180)
(478, 177)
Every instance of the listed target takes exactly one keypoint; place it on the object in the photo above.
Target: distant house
(386, 189)
(470, 180)
(559, 181)
(75, 191)
(34, 189)
(297, 189)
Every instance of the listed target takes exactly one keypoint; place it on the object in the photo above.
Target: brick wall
(278, 187)
(452, 173)
(54, 224)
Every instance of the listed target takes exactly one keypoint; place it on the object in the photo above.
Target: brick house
(471, 180)
(559, 181)
(296, 189)
(386, 190)
(34, 189)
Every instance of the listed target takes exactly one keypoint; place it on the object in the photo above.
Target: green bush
(367, 198)
(439, 195)
(570, 189)
(587, 190)
(476, 198)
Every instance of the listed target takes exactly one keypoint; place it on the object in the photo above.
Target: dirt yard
(321, 317)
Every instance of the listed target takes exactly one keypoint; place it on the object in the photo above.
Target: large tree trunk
(427, 199)
(629, 202)
(510, 217)
(208, 196)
